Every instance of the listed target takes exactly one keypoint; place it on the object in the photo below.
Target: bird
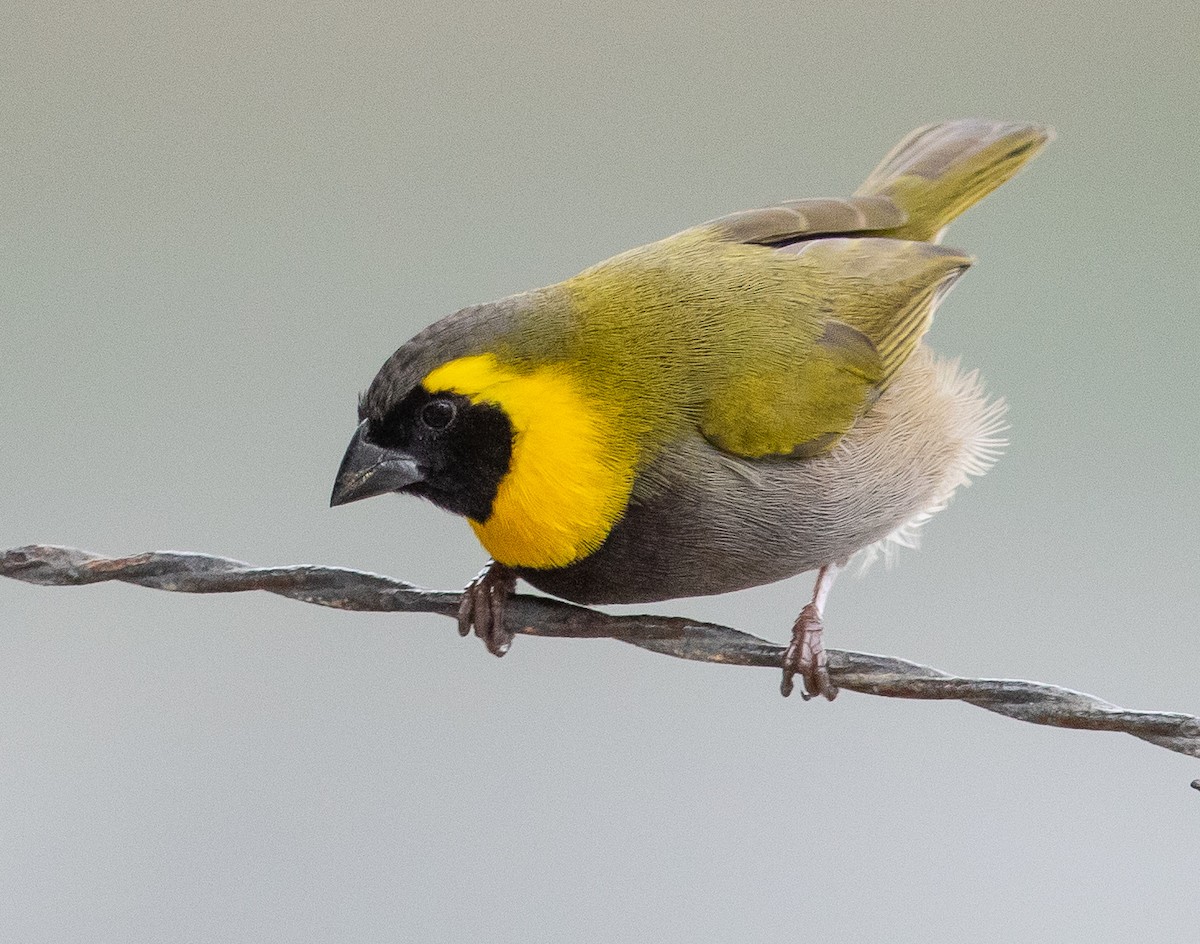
(746, 400)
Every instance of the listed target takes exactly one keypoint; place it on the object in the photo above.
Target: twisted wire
(341, 588)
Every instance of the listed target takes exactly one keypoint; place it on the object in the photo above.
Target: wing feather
(858, 308)
(796, 220)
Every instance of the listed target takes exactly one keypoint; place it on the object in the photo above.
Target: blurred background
(219, 219)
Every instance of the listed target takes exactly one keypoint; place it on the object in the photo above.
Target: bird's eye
(438, 414)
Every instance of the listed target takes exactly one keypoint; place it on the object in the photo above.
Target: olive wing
(856, 310)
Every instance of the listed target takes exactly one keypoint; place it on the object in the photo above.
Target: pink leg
(482, 607)
(806, 654)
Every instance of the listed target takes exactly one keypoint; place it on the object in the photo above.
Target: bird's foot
(806, 657)
(482, 607)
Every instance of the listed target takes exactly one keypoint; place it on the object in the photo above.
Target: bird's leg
(482, 606)
(806, 654)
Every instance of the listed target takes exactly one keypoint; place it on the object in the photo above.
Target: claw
(465, 608)
(482, 607)
(806, 657)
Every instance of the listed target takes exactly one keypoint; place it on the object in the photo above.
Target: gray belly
(703, 522)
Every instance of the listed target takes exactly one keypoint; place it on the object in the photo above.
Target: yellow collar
(571, 472)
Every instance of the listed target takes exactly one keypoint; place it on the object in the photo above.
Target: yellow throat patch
(571, 472)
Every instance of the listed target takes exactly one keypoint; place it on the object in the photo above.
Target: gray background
(219, 220)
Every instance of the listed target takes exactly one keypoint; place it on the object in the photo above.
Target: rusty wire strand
(346, 589)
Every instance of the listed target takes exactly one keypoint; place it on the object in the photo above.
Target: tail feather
(938, 171)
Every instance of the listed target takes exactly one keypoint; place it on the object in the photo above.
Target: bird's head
(492, 427)
(427, 428)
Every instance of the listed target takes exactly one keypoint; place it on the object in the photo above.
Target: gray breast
(703, 522)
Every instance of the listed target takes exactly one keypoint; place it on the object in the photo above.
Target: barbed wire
(345, 589)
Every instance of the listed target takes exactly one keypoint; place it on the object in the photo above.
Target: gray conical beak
(369, 470)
